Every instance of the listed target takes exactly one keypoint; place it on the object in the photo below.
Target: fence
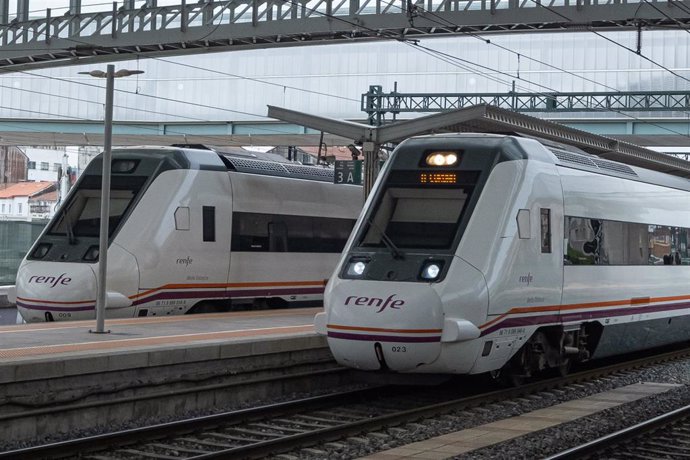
(15, 240)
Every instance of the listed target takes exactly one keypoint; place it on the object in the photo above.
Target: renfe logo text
(381, 304)
(53, 281)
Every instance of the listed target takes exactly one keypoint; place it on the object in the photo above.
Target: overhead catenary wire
(257, 80)
(543, 94)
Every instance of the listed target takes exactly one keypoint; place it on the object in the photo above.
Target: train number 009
(399, 349)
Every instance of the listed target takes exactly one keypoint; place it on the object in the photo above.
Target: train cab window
(416, 218)
(182, 218)
(81, 216)
(545, 221)
(209, 223)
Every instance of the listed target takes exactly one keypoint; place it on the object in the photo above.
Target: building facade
(13, 165)
(16, 205)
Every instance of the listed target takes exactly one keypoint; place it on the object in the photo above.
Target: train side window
(209, 223)
(523, 223)
(545, 220)
(182, 218)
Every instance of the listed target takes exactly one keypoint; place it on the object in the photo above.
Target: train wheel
(561, 370)
(507, 376)
(564, 368)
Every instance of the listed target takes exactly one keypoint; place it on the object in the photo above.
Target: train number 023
(399, 349)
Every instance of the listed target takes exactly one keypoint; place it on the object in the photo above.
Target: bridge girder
(124, 33)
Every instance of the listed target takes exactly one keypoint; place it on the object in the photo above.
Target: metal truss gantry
(377, 104)
(131, 28)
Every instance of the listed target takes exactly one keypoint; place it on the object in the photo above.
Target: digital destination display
(438, 178)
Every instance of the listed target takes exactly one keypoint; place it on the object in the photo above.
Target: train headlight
(442, 159)
(356, 268)
(431, 270)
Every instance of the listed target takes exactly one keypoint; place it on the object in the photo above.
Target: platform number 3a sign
(348, 172)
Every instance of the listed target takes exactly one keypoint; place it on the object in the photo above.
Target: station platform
(62, 349)
(59, 375)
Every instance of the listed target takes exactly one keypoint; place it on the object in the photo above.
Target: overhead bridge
(129, 29)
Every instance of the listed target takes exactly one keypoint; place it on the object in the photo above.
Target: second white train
(484, 253)
(190, 230)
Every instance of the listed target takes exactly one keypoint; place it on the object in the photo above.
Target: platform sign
(348, 172)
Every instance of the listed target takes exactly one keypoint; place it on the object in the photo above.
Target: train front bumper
(69, 293)
(370, 328)
(46, 294)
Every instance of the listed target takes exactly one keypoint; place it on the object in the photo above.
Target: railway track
(271, 429)
(660, 438)
(157, 402)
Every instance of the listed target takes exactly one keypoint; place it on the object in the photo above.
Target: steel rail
(124, 437)
(623, 435)
(290, 442)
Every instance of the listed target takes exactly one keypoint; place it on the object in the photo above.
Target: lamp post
(103, 235)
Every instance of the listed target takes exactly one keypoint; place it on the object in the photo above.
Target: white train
(484, 253)
(190, 230)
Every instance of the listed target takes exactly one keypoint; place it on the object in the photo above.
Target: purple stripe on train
(220, 294)
(54, 307)
(583, 316)
(229, 294)
(383, 338)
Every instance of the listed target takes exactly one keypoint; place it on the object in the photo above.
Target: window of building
(19, 208)
(56, 166)
(44, 166)
(3, 208)
(32, 165)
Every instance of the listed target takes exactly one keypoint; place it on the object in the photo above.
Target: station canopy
(489, 119)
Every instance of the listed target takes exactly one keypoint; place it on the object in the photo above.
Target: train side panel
(181, 240)
(638, 306)
(288, 235)
(522, 263)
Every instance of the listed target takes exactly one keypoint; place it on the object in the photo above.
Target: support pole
(105, 203)
(371, 166)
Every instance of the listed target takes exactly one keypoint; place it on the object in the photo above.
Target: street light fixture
(110, 75)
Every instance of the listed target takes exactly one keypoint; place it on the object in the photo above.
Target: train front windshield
(81, 216)
(416, 217)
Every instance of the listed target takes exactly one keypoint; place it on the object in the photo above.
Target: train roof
(201, 157)
(593, 163)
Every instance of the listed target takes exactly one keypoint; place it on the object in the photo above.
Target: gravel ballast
(541, 443)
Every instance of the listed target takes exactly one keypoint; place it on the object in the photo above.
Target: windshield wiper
(70, 231)
(395, 252)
